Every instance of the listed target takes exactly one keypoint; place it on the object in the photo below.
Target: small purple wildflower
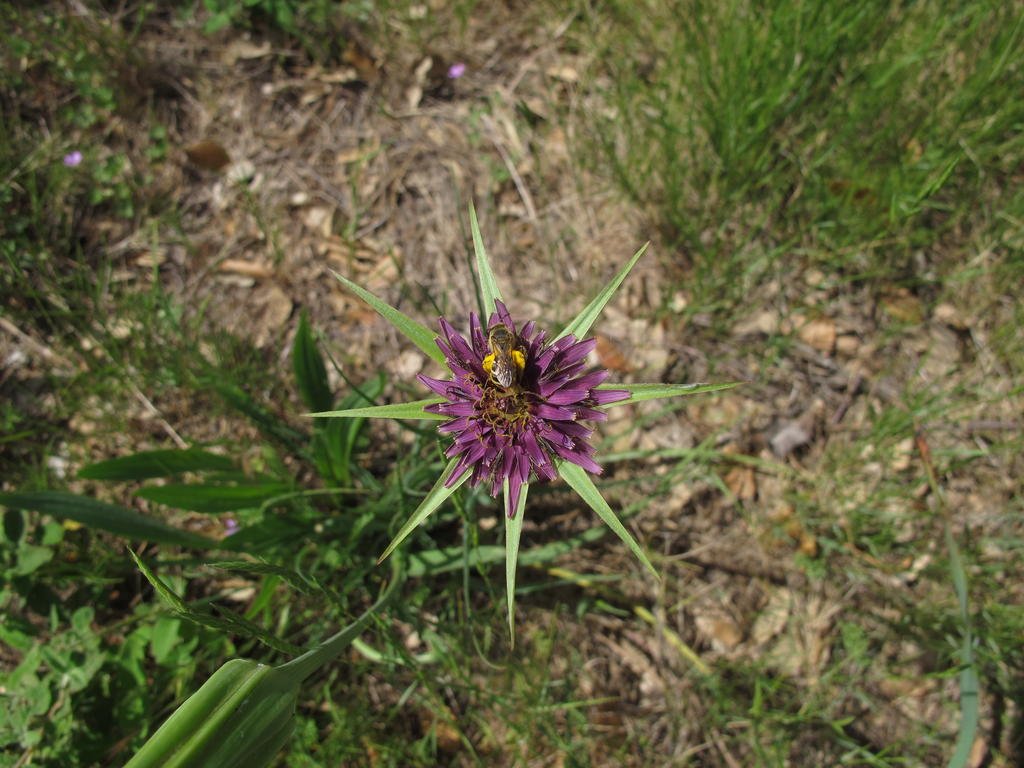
(510, 433)
(231, 527)
(456, 70)
(73, 159)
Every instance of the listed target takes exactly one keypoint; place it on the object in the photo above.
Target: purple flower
(456, 70)
(512, 431)
(72, 159)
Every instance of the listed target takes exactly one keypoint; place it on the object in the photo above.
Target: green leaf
(434, 498)
(31, 558)
(165, 639)
(348, 429)
(149, 464)
(580, 481)
(969, 682)
(489, 291)
(223, 620)
(413, 410)
(167, 594)
(310, 373)
(640, 392)
(314, 659)
(415, 331)
(106, 517)
(269, 423)
(580, 325)
(335, 440)
(513, 527)
(212, 498)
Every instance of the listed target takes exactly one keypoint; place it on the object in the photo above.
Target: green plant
(514, 412)
(765, 138)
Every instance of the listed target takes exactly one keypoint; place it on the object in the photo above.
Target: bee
(506, 361)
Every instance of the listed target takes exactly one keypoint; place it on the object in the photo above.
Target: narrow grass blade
(513, 527)
(415, 331)
(433, 500)
(489, 291)
(106, 517)
(674, 640)
(580, 481)
(640, 392)
(163, 463)
(580, 325)
(167, 594)
(969, 683)
(413, 410)
(448, 559)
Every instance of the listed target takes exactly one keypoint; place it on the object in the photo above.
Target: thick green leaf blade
(310, 372)
(580, 325)
(413, 410)
(107, 517)
(213, 498)
(580, 481)
(489, 291)
(162, 463)
(434, 498)
(513, 528)
(641, 392)
(413, 330)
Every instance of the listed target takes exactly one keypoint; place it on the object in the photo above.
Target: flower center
(504, 408)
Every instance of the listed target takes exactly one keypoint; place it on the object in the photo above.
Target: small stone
(792, 436)
(764, 322)
(820, 334)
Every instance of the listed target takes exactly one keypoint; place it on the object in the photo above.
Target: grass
(858, 165)
(874, 142)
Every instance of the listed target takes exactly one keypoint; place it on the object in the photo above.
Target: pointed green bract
(433, 500)
(640, 392)
(489, 291)
(413, 410)
(415, 331)
(580, 481)
(580, 325)
(513, 527)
